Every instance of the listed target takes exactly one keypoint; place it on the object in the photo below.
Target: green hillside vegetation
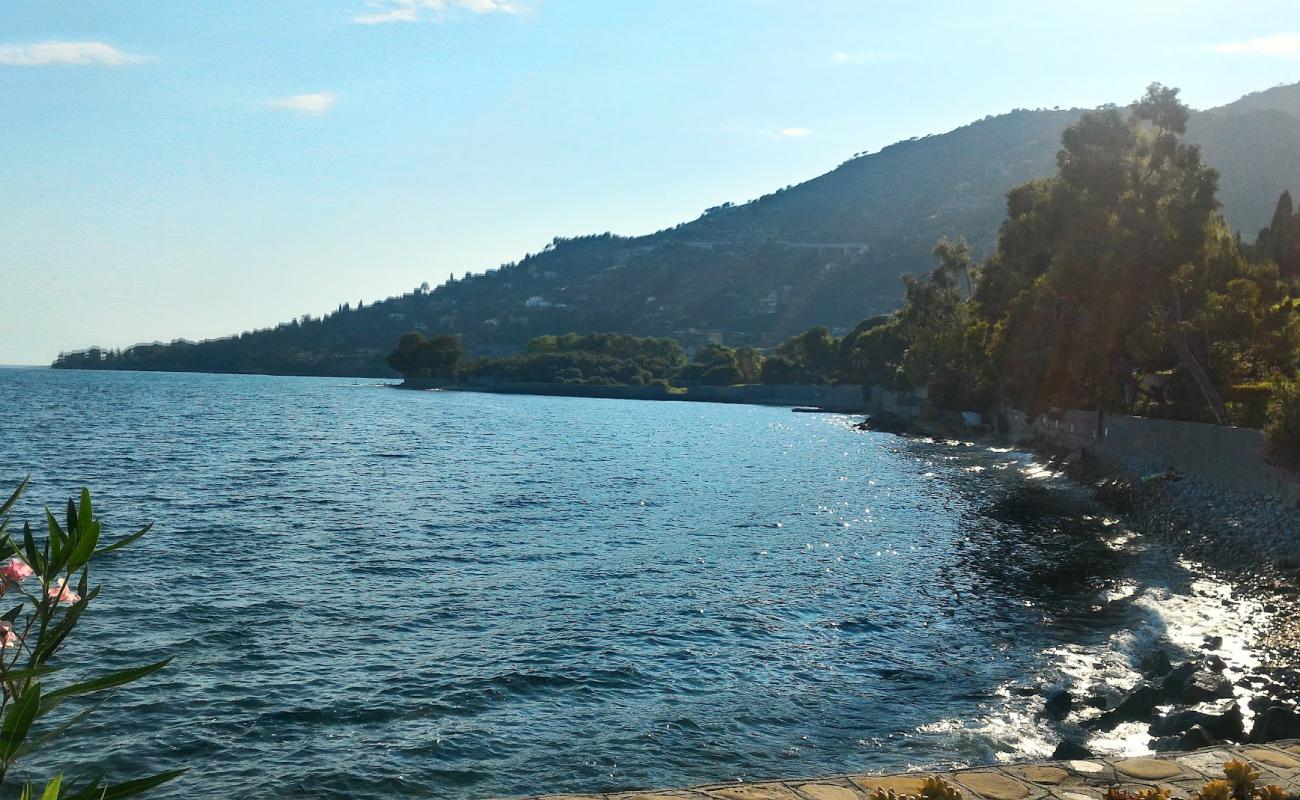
(826, 252)
(1116, 284)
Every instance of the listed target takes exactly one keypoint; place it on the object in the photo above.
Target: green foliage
(418, 357)
(1282, 430)
(52, 580)
(720, 365)
(812, 357)
(602, 359)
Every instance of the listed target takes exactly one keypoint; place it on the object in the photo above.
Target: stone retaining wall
(1180, 773)
(1226, 458)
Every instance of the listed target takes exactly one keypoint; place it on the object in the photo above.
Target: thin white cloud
(795, 133)
(1282, 45)
(859, 57)
(382, 12)
(44, 54)
(314, 103)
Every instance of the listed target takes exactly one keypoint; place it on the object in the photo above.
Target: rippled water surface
(375, 593)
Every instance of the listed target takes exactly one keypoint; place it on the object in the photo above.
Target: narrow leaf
(120, 543)
(60, 729)
(53, 788)
(13, 498)
(13, 730)
(33, 555)
(100, 684)
(118, 791)
(28, 672)
(84, 513)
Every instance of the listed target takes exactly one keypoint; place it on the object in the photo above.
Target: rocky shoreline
(1253, 542)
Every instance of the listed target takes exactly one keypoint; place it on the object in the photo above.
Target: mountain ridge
(828, 251)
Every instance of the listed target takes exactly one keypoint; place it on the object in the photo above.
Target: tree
(1113, 250)
(418, 357)
(1280, 241)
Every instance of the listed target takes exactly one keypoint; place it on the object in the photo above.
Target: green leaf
(53, 788)
(54, 637)
(12, 614)
(28, 672)
(59, 729)
(73, 523)
(100, 684)
(84, 547)
(57, 535)
(13, 730)
(118, 791)
(84, 513)
(120, 543)
(33, 555)
(13, 498)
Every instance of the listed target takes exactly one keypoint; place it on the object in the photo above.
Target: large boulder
(1205, 686)
(1156, 664)
(1276, 722)
(1220, 722)
(1177, 680)
(1058, 705)
(1194, 738)
(1136, 706)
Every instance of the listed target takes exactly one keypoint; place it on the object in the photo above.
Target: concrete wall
(1227, 458)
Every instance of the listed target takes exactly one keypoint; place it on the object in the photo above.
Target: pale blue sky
(192, 169)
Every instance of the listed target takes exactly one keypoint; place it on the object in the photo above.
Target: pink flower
(7, 636)
(15, 569)
(62, 594)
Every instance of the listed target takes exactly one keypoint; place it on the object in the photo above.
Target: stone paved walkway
(1182, 773)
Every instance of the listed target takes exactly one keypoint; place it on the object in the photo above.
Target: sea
(377, 593)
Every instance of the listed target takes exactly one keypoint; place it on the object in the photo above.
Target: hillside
(828, 251)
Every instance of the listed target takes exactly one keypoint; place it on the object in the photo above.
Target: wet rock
(1275, 722)
(1156, 664)
(1215, 642)
(1025, 691)
(1215, 664)
(1136, 706)
(1194, 738)
(1206, 686)
(1058, 704)
(1138, 703)
(886, 423)
(1262, 702)
(1177, 679)
(1222, 722)
(1069, 750)
(1097, 700)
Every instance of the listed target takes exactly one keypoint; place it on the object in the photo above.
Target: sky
(189, 170)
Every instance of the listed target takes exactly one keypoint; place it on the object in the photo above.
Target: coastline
(846, 398)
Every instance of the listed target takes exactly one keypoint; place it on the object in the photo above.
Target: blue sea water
(374, 593)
